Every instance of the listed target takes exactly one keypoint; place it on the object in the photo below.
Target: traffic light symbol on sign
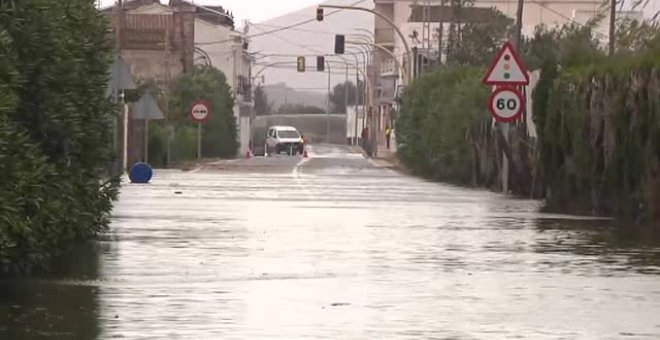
(339, 44)
(319, 14)
(320, 63)
(301, 64)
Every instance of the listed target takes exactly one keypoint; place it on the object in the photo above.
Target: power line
(296, 29)
(281, 28)
(293, 43)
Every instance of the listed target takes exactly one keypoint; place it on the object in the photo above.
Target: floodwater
(337, 247)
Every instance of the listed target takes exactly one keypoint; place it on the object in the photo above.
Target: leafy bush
(600, 137)
(219, 133)
(436, 129)
(55, 129)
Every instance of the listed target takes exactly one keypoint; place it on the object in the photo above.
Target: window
(288, 134)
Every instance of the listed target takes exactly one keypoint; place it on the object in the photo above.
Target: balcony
(385, 36)
(388, 68)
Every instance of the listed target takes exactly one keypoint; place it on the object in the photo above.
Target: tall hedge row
(55, 129)
(443, 130)
(598, 147)
(599, 137)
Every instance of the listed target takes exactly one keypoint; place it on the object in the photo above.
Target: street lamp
(363, 36)
(386, 19)
(404, 74)
(367, 32)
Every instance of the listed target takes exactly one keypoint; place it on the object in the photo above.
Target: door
(271, 140)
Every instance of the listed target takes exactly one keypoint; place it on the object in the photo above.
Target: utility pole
(171, 131)
(519, 18)
(121, 117)
(505, 126)
(346, 91)
(327, 106)
(612, 27)
(357, 102)
(441, 31)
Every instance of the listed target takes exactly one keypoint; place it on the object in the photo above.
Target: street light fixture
(404, 75)
(387, 20)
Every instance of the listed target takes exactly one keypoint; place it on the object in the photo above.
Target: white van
(285, 139)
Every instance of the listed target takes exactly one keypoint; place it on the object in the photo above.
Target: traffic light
(319, 14)
(301, 64)
(320, 63)
(339, 44)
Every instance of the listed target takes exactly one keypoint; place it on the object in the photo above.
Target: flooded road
(338, 247)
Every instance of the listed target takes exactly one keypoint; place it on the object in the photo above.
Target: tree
(55, 129)
(262, 106)
(219, 135)
(338, 96)
(634, 36)
(479, 41)
(568, 45)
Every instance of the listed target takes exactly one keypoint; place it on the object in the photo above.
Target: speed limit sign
(200, 111)
(506, 104)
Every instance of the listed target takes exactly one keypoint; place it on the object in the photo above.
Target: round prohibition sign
(506, 104)
(200, 111)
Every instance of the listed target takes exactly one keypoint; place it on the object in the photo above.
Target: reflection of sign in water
(506, 104)
(200, 111)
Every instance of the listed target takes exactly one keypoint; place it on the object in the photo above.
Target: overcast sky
(253, 10)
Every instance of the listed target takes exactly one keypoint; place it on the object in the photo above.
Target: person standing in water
(388, 135)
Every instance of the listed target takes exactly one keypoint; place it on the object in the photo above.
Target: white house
(218, 44)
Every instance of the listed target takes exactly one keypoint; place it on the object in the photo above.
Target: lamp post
(386, 19)
(404, 74)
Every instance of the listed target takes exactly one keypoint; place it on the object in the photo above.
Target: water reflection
(355, 256)
(617, 248)
(58, 305)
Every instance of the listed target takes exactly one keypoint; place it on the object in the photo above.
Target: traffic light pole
(404, 74)
(367, 82)
(386, 19)
(327, 106)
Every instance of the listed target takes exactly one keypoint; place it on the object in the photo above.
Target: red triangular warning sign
(507, 68)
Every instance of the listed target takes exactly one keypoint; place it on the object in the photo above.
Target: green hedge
(443, 128)
(55, 129)
(219, 132)
(599, 137)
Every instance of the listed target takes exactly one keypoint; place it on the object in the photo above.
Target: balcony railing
(388, 67)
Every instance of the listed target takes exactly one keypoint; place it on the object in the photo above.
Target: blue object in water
(141, 173)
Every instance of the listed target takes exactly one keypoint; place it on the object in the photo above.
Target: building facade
(219, 44)
(160, 42)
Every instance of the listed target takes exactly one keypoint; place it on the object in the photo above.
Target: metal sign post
(199, 141)
(200, 111)
(506, 103)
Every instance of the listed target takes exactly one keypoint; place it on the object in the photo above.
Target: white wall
(350, 121)
(228, 56)
(221, 54)
(552, 12)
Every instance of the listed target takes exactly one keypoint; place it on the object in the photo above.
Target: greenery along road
(55, 129)
(598, 135)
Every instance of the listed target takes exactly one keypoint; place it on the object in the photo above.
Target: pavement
(336, 246)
